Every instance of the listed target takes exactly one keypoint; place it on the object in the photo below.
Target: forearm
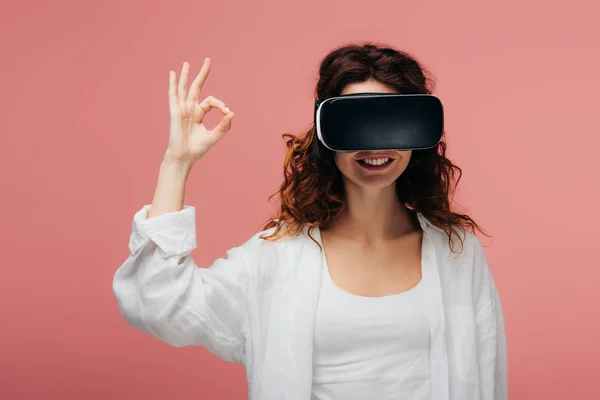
(170, 189)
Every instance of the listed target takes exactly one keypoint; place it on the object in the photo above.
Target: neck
(372, 215)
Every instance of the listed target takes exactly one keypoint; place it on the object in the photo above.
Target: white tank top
(370, 347)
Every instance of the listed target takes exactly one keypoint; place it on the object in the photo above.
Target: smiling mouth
(375, 163)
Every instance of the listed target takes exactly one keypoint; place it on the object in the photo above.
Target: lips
(375, 161)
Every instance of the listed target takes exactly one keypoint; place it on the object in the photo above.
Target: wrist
(174, 172)
(176, 165)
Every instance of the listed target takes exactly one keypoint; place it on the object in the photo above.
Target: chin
(377, 183)
(373, 181)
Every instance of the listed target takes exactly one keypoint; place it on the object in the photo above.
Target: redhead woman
(366, 285)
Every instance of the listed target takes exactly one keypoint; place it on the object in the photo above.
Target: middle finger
(185, 71)
(196, 86)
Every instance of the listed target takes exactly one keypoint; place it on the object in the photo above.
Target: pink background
(85, 124)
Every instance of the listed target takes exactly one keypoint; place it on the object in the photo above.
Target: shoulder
(465, 273)
(264, 253)
(261, 240)
(269, 261)
(467, 255)
(257, 246)
(465, 242)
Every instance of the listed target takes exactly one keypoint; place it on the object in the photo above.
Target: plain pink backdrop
(85, 124)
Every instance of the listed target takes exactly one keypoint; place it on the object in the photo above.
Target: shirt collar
(426, 224)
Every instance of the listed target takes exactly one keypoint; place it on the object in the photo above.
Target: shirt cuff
(174, 233)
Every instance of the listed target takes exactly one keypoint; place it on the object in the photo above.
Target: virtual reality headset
(379, 121)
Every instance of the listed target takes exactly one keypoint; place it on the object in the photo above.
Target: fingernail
(227, 109)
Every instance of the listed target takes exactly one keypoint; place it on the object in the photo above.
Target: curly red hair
(312, 192)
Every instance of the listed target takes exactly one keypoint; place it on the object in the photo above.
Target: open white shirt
(258, 306)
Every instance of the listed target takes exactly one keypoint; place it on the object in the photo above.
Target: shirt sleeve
(491, 334)
(161, 291)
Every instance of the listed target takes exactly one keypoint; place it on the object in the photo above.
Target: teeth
(375, 161)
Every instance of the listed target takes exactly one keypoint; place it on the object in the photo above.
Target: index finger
(196, 86)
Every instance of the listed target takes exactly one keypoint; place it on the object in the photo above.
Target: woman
(365, 286)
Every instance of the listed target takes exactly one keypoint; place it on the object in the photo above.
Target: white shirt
(370, 347)
(258, 306)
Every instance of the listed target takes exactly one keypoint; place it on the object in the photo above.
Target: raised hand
(189, 139)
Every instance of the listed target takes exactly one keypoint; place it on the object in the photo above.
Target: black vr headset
(379, 121)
